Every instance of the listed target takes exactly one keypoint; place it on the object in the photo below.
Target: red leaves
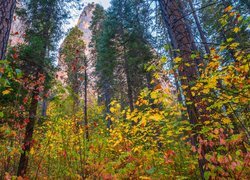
(22, 108)
(168, 155)
(15, 56)
(64, 153)
(222, 141)
(26, 121)
(25, 100)
(95, 124)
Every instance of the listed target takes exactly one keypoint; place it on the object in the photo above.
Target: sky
(104, 3)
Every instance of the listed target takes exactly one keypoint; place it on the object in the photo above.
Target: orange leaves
(1, 70)
(168, 156)
(228, 9)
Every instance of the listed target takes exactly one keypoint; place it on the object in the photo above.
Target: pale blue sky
(104, 3)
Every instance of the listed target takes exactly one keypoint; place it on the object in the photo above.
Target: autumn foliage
(152, 138)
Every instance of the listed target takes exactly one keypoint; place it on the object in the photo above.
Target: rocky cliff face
(17, 31)
(83, 24)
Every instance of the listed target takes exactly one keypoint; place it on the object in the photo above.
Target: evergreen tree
(123, 31)
(44, 21)
(72, 53)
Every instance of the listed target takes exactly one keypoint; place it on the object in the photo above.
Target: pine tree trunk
(27, 143)
(188, 71)
(7, 8)
(130, 93)
(107, 97)
(129, 82)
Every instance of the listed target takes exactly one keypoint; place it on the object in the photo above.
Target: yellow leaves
(156, 75)
(236, 29)
(137, 149)
(143, 121)
(153, 95)
(135, 119)
(238, 56)
(212, 82)
(156, 117)
(230, 40)
(234, 45)
(222, 47)
(141, 102)
(115, 107)
(187, 64)
(226, 120)
(170, 133)
(207, 122)
(184, 87)
(119, 138)
(144, 178)
(32, 151)
(206, 91)
(112, 110)
(245, 68)
(163, 59)
(177, 60)
(5, 92)
(197, 86)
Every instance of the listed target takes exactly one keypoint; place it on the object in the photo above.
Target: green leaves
(1, 114)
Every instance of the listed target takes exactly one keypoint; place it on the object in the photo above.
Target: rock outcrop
(18, 28)
(83, 24)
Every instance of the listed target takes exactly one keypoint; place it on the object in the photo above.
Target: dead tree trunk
(7, 8)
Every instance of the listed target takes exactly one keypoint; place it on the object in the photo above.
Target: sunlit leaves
(5, 92)
(236, 29)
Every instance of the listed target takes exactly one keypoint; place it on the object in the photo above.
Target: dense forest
(146, 89)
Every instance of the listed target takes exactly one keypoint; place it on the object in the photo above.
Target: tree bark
(7, 8)
(86, 102)
(130, 90)
(27, 143)
(188, 72)
(107, 98)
